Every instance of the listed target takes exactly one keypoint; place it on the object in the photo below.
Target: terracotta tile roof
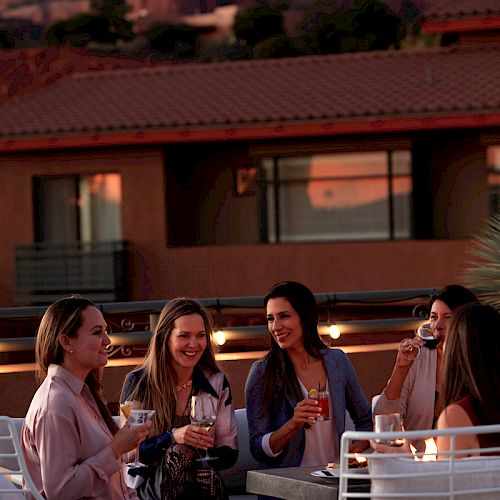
(367, 86)
(457, 9)
(28, 70)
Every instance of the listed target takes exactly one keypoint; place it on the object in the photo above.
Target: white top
(416, 404)
(321, 443)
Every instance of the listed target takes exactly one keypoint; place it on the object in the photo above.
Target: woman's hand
(409, 349)
(359, 446)
(383, 448)
(192, 435)
(128, 437)
(306, 412)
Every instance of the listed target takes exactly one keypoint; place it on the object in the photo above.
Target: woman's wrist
(403, 362)
(292, 426)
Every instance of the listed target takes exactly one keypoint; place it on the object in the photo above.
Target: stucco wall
(158, 271)
(143, 207)
(251, 269)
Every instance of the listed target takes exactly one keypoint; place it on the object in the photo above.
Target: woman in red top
(471, 386)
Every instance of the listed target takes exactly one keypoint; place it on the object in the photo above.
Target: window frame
(277, 182)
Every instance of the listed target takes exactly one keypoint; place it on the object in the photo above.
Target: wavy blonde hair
(155, 388)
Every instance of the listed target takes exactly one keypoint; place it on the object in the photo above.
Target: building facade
(347, 172)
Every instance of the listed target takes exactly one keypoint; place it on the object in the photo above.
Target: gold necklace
(189, 383)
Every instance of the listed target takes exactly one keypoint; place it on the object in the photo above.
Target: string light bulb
(219, 337)
(333, 328)
(334, 331)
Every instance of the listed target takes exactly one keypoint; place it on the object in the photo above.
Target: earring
(71, 351)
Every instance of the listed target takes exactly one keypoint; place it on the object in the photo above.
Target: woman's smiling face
(284, 323)
(440, 319)
(187, 341)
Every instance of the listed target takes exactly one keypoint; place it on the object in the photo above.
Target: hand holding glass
(138, 417)
(204, 415)
(389, 423)
(425, 333)
(409, 349)
(322, 397)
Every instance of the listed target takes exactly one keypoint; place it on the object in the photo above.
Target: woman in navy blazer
(282, 419)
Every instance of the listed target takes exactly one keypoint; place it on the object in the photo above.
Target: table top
(296, 483)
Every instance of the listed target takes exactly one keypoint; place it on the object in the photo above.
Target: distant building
(347, 172)
(42, 11)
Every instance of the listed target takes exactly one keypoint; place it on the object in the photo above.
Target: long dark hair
(155, 388)
(65, 317)
(453, 296)
(278, 362)
(471, 360)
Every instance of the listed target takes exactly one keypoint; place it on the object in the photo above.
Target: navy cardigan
(268, 416)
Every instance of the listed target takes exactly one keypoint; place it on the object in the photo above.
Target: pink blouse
(65, 443)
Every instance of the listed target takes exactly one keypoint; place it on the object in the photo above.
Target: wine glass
(390, 422)
(203, 414)
(425, 333)
(138, 417)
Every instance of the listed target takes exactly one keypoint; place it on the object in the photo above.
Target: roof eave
(461, 25)
(246, 132)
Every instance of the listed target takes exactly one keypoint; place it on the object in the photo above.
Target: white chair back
(399, 475)
(11, 454)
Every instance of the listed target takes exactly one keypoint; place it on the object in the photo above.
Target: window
(493, 159)
(78, 208)
(348, 196)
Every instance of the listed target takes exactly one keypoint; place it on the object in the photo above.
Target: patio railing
(128, 332)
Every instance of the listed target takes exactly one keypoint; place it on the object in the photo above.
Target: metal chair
(15, 471)
(400, 475)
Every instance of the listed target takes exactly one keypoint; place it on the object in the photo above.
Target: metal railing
(46, 271)
(417, 298)
(324, 299)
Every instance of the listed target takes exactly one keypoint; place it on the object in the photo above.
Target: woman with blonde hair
(179, 364)
(72, 446)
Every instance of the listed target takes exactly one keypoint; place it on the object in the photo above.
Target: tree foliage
(178, 41)
(110, 8)
(260, 33)
(106, 24)
(6, 39)
(366, 25)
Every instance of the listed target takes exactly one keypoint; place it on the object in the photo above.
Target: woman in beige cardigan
(415, 382)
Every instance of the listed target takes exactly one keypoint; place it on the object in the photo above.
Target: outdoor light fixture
(219, 337)
(218, 334)
(333, 329)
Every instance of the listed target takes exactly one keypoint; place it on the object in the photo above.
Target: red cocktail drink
(323, 400)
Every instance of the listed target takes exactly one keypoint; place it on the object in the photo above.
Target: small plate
(335, 473)
(326, 474)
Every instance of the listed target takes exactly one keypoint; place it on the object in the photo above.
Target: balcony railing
(47, 271)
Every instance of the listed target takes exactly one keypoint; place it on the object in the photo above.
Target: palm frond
(483, 272)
